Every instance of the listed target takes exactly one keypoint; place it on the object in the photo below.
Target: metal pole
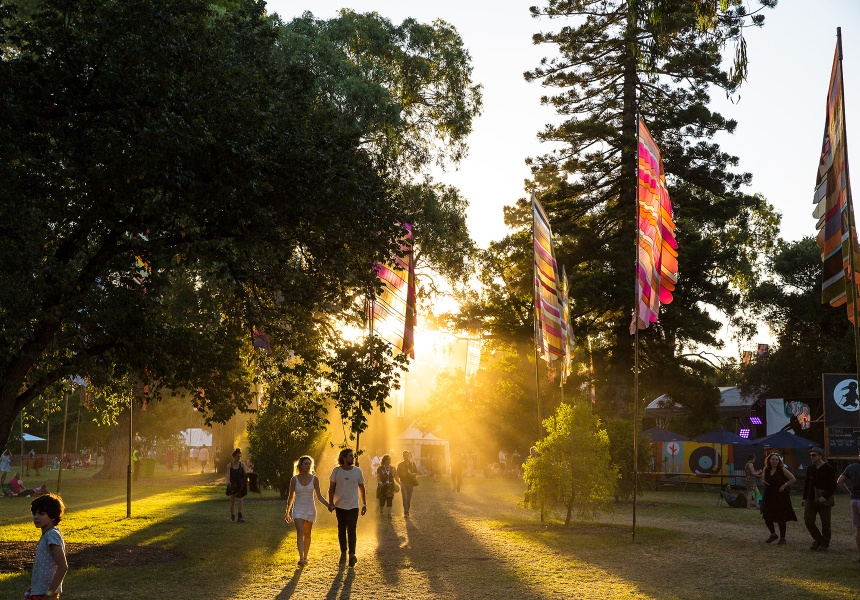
(851, 225)
(636, 341)
(128, 467)
(63, 444)
(78, 429)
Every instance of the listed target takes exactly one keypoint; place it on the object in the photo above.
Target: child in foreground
(50, 565)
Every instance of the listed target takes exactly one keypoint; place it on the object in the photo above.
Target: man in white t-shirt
(346, 485)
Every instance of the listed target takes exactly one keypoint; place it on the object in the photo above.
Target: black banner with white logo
(841, 400)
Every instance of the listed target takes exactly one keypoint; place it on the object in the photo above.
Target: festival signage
(841, 400)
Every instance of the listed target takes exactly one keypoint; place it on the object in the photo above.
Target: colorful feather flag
(657, 254)
(393, 310)
(833, 207)
(549, 321)
(569, 342)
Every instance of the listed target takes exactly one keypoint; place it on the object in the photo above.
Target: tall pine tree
(660, 59)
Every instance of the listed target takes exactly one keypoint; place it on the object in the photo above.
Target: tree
(279, 435)
(658, 59)
(572, 469)
(811, 338)
(179, 174)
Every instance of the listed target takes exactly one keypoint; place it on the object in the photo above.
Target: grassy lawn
(476, 544)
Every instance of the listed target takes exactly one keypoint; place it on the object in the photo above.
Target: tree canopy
(178, 176)
(657, 59)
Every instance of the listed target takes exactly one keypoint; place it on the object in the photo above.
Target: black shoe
(352, 560)
(342, 560)
(773, 537)
(232, 517)
(240, 519)
(815, 545)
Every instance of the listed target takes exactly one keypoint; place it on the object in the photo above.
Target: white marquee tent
(423, 446)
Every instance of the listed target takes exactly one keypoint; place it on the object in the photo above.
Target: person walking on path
(458, 465)
(301, 508)
(203, 457)
(5, 465)
(818, 491)
(237, 483)
(388, 482)
(852, 474)
(750, 475)
(407, 472)
(346, 486)
(776, 506)
(168, 458)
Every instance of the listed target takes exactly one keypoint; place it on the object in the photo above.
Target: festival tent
(720, 436)
(732, 404)
(658, 434)
(197, 437)
(414, 441)
(783, 440)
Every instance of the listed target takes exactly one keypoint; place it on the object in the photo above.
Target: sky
(780, 109)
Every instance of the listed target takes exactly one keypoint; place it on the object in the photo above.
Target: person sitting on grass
(50, 565)
(18, 488)
(739, 501)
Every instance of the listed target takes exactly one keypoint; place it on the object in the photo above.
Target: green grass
(476, 544)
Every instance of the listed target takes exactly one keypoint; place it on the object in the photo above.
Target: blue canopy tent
(720, 436)
(783, 440)
(32, 438)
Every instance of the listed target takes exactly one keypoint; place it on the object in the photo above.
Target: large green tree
(177, 174)
(659, 59)
(811, 338)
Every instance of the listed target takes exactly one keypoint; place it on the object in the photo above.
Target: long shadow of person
(388, 555)
(290, 588)
(342, 583)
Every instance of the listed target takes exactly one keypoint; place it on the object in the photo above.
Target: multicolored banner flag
(833, 207)
(549, 322)
(393, 310)
(657, 261)
(569, 342)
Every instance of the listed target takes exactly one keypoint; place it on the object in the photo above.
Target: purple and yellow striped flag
(833, 207)
(549, 319)
(657, 255)
(393, 310)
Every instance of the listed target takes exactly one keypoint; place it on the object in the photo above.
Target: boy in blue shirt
(50, 565)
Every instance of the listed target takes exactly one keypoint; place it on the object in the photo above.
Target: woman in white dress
(301, 508)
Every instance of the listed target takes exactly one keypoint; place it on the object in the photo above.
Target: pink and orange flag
(393, 312)
(657, 255)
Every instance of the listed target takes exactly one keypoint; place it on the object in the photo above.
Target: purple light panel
(744, 432)
(755, 420)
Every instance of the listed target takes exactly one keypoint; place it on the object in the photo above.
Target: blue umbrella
(658, 434)
(720, 436)
(783, 440)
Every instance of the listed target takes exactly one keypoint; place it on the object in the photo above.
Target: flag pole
(636, 334)
(535, 319)
(851, 224)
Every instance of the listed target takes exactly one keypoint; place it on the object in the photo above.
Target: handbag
(395, 487)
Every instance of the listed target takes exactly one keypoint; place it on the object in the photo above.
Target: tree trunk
(116, 454)
(621, 380)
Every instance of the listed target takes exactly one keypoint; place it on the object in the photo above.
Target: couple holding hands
(346, 485)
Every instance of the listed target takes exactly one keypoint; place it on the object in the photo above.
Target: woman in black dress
(776, 505)
(237, 483)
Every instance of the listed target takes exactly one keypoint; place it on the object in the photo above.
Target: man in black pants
(818, 498)
(346, 484)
